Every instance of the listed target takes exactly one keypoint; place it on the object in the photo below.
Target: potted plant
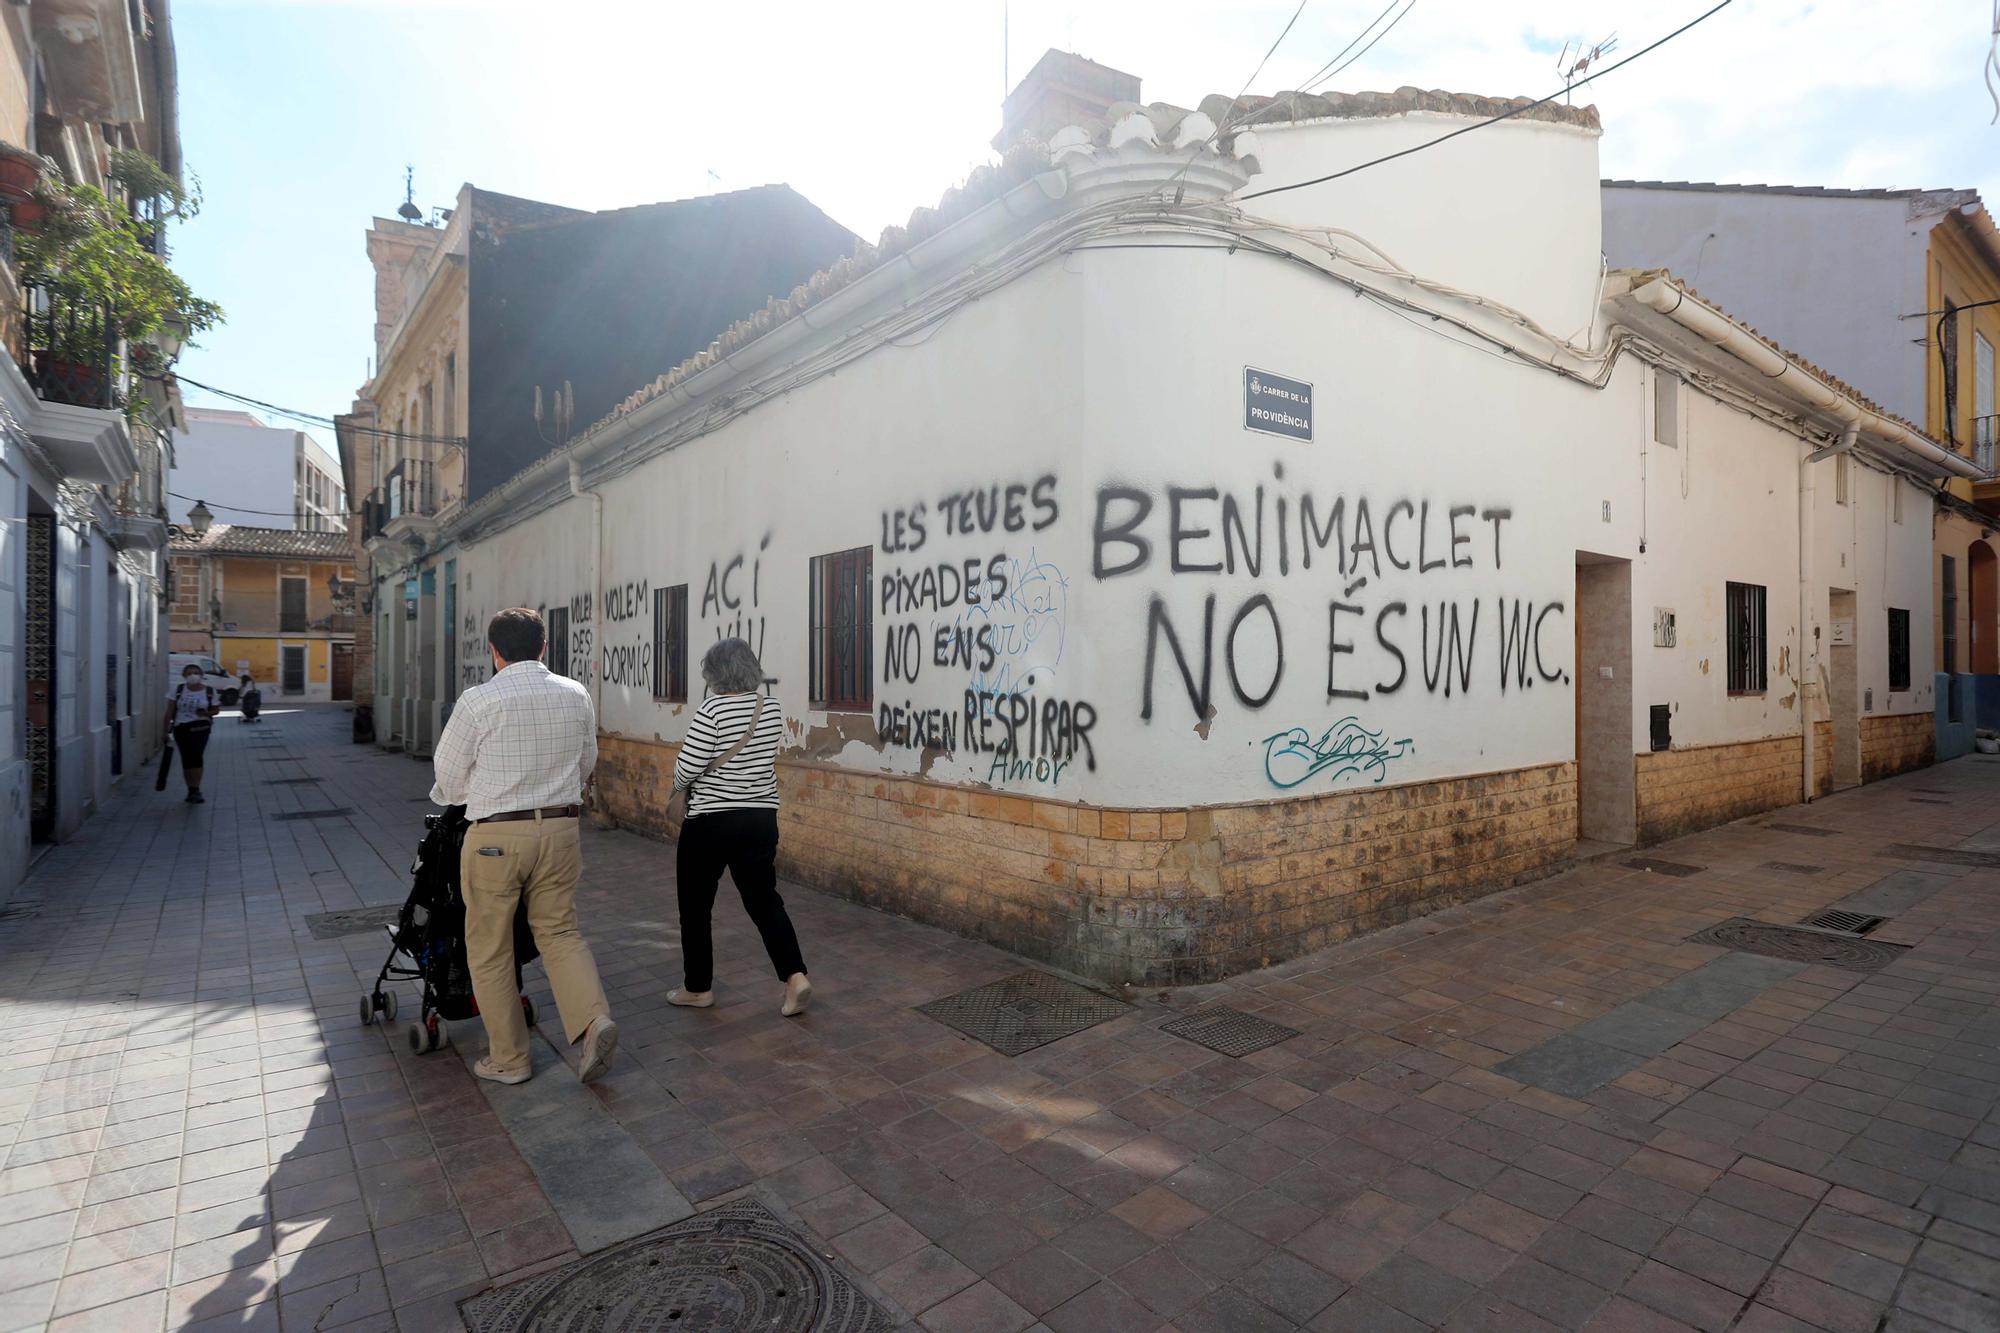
(99, 278)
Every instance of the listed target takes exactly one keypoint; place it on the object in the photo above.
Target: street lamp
(199, 519)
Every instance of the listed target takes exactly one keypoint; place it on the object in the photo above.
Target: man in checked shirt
(517, 755)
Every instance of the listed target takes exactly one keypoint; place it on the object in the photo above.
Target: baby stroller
(249, 699)
(430, 932)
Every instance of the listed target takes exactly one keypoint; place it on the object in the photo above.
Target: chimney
(1062, 89)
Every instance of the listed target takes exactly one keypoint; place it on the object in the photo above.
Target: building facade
(1159, 579)
(271, 602)
(254, 475)
(1895, 291)
(82, 453)
(496, 335)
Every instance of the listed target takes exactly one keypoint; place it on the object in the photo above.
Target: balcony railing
(1985, 439)
(411, 490)
(72, 351)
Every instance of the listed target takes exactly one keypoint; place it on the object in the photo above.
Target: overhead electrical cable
(1492, 120)
(319, 419)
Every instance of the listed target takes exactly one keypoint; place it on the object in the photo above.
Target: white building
(253, 475)
(1160, 577)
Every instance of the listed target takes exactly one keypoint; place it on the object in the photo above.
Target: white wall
(1110, 369)
(244, 471)
(1827, 277)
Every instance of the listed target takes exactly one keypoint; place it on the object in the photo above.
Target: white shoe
(692, 999)
(483, 1067)
(798, 992)
(600, 1043)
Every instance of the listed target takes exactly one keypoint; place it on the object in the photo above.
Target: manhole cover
(1660, 867)
(354, 921)
(1804, 830)
(1793, 867)
(1951, 856)
(1026, 1010)
(1807, 946)
(1230, 1031)
(1851, 923)
(340, 813)
(730, 1270)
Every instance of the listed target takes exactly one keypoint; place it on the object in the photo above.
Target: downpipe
(596, 686)
(1806, 672)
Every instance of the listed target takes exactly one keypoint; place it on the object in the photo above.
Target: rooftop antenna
(409, 211)
(1571, 70)
(558, 415)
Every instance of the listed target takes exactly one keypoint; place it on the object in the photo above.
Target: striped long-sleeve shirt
(749, 781)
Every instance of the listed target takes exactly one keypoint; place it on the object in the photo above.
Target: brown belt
(546, 812)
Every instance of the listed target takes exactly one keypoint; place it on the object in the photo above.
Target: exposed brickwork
(1683, 790)
(1153, 896)
(1897, 744)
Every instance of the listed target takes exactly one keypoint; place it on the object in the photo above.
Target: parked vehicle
(212, 674)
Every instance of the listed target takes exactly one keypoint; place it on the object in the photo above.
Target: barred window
(557, 623)
(670, 648)
(1746, 638)
(1899, 650)
(842, 624)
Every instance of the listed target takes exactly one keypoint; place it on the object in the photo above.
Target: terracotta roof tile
(282, 543)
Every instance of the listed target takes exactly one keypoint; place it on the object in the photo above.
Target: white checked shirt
(524, 740)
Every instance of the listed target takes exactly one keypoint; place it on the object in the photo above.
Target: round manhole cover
(727, 1271)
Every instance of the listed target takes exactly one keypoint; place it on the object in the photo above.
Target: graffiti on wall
(732, 597)
(626, 646)
(1295, 756)
(1381, 559)
(475, 659)
(962, 606)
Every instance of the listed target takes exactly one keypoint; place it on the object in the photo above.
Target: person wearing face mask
(190, 715)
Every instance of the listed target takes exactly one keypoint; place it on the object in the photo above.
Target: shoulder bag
(722, 760)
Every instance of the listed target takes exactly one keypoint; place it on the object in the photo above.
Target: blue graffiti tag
(1293, 756)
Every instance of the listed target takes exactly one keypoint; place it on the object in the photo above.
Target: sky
(300, 116)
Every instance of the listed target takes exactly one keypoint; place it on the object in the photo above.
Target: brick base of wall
(1897, 744)
(1680, 791)
(1154, 897)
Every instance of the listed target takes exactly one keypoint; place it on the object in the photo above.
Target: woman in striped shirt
(728, 761)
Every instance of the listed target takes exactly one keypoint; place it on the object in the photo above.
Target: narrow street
(1546, 1109)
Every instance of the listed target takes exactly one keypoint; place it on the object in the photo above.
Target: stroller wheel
(388, 1006)
(528, 1010)
(368, 1010)
(420, 1040)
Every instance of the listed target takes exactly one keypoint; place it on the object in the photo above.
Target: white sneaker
(483, 1067)
(798, 992)
(600, 1043)
(692, 999)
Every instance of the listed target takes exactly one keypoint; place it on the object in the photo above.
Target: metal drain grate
(1660, 867)
(1026, 1010)
(1848, 923)
(729, 1270)
(20, 911)
(1793, 867)
(1928, 800)
(1951, 856)
(1804, 830)
(341, 813)
(353, 921)
(1229, 1031)
(1800, 945)
(287, 782)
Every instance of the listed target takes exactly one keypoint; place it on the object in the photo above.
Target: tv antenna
(409, 211)
(1570, 70)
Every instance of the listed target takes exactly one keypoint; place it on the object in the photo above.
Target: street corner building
(1166, 571)
(272, 603)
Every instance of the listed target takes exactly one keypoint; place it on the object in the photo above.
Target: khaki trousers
(539, 860)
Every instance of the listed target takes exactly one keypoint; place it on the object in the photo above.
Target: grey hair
(730, 667)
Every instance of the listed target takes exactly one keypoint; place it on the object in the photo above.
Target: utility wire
(1495, 120)
(261, 513)
(317, 419)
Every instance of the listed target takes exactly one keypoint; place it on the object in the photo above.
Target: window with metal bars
(558, 639)
(1746, 638)
(670, 650)
(1948, 583)
(1899, 650)
(842, 625)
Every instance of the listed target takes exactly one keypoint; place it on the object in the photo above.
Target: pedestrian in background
(517, 754)
(190, 717)
(728, 764)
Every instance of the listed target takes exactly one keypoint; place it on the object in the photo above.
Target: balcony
(1985, 438)
(405, 506)
(75, 371)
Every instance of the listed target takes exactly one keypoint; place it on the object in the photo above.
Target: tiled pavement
(198, 1133)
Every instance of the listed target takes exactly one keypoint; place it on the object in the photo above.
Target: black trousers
(745, 842)
(192, 738)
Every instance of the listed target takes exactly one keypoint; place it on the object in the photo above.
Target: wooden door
(343, 671)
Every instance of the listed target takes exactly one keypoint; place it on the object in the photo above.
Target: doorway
(1843, 691)
(1606, 769)
(292, 669)
(342, 671)
(39, 659)
(1984, 596)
